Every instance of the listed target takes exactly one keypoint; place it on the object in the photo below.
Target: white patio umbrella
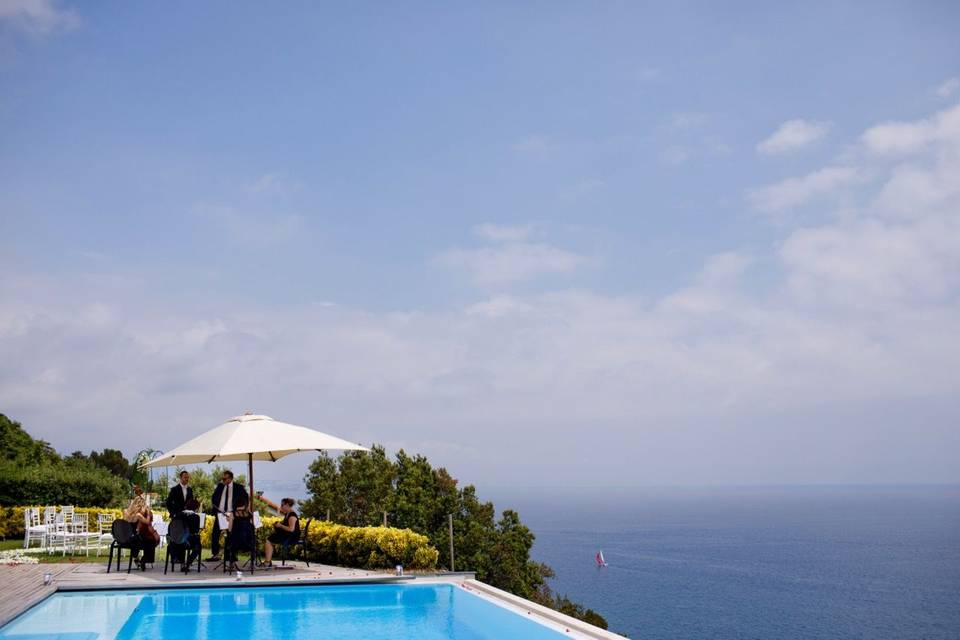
(251, 437)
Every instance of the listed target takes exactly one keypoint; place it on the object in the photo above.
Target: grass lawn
(58, 557)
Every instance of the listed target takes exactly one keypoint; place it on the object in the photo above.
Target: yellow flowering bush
(12, 523)
(328, 543)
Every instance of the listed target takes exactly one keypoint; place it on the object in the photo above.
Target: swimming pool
(343, 612)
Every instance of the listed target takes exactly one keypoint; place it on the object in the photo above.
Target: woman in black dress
(286, 531)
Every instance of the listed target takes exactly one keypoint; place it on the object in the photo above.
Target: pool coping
(233, 583)
(551, 617)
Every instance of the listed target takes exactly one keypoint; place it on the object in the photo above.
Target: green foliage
(356, 488)
(64, 482)
(17, 445)
(113, 461)
(566, 606)
(31, 472)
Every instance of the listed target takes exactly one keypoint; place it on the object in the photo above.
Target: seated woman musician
(138, 514)
(287, 531)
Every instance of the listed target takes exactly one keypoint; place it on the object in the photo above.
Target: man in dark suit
(179, 494)
(227, 494)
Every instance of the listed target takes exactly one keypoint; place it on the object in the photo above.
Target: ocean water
(834, 563)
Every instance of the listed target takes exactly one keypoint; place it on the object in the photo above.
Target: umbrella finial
(248, 413)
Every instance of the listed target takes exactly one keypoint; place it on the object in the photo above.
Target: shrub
(11, 518)
(67, 482)
(336, 544)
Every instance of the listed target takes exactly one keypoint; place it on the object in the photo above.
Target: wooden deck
(21, 587)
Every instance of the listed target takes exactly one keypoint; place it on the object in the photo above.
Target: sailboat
(600, 561)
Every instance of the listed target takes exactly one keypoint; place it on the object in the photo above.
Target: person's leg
(267, 552)
(149, 552)
(191, 557)
(215, 544)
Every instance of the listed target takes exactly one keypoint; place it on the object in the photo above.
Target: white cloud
(688, 120)
(503, 233)
(892, 138)
(535, 145)
(649, 73)
(511, 256)
(498, 307)
(511, 262)
(724, 268)
(841, 369)
(793, 135)
(582, 187)
(39, 17)
(273, 184)
(252, 229)
(674, 155)
(948, 88)
(794, 192)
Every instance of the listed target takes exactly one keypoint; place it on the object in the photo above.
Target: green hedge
(59, 483)
(335, 544)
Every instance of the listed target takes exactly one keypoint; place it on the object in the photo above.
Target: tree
(357, 487)
(321, 480)
(414, 504)
(31, 472)
(365, 485)
(16, 444)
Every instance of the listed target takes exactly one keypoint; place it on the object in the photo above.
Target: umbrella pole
(252, 506)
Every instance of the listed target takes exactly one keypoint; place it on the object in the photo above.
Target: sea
(824, 562)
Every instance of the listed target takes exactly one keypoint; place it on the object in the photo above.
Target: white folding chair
(104, 535)
(57, 535)
(80, 535)
(161, 527)
(49, 520)
(32, 529)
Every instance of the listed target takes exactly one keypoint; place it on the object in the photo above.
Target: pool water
(348, 612)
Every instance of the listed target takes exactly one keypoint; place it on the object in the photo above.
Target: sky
(542, 243)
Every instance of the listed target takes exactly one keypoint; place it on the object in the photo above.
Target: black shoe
(213, 559)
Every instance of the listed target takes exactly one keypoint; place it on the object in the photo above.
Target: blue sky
(716, 240)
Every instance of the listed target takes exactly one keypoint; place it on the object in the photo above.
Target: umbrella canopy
(251, 437)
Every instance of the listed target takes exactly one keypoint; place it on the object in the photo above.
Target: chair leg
(110, 559)
(130, 561)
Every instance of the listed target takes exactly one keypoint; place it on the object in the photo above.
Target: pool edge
(539, 612)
